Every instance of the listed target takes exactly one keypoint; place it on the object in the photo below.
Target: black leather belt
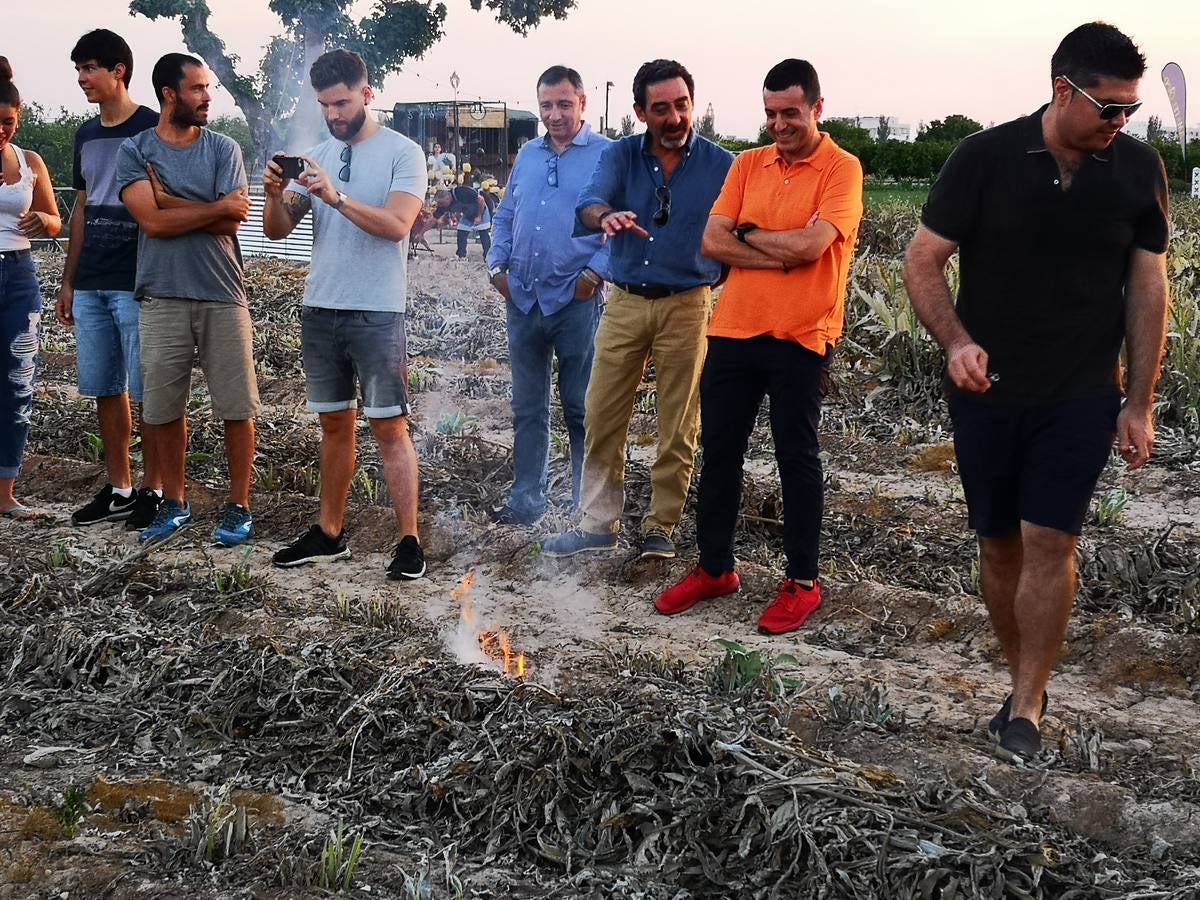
(651, 291)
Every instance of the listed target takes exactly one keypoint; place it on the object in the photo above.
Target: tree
(883, 131)
(394, 31)
(626, 125)
(707, 127)
(1154, 129)
(952, 128)
(845, 131)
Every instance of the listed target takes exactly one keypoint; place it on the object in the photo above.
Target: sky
(917, 61)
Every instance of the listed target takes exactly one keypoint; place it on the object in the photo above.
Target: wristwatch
(341, 201)
(742, 230)
(496, 270)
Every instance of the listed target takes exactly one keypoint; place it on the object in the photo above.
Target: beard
(348, 129)
(673, 140)
(189, 116)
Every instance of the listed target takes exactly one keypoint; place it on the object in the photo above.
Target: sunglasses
(344, 173)
(1108, 111)
(662, 215)
(552, 171)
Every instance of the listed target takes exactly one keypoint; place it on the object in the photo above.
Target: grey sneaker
(578, 541)
(656, 545)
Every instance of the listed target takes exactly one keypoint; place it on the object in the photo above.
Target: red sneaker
(792, 605)
(697, 585)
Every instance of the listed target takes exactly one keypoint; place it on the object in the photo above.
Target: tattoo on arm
(296, 205)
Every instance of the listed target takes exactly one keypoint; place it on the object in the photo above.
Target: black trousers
(737, 374)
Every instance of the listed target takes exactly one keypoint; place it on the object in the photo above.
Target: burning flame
(494, 646)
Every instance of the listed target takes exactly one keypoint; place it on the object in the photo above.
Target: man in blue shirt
(552, 287)
(650, 195)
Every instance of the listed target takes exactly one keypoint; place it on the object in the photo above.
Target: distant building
(1138, 130)
(897, 130)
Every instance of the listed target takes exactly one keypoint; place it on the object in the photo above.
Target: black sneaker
(408, 563)
(1000, 719)
(314, 547)
(1020, 741)
(506, 515)
(106, 506)
(145, 506)
(656, 545)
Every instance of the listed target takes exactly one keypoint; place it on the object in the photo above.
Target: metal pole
(454, 82)
(608, 86)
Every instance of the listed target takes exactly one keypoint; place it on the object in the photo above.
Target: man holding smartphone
(365, 186)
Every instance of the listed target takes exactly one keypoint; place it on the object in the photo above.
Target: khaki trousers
(633, 328)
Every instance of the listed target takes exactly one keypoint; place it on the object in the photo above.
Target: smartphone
(292, 165)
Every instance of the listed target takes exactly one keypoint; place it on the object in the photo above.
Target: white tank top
(15, 201)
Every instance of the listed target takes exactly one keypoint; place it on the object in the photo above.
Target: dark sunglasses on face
(552, 171)
(1108, 111)
(662, 215)
(344, 172)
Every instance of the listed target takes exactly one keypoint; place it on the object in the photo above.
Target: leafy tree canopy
(952, 128)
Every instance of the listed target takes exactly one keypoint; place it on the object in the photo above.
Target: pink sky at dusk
(916, 61)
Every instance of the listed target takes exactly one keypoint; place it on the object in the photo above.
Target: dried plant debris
(624, 789)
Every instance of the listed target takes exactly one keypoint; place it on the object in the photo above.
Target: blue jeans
(106, 340)
(534, 339)
(20, 328)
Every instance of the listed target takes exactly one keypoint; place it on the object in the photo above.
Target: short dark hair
(107, 48)
(559, 74)
(1094, 51)
(660, 70)
(337, 67)
(9, 95)
(168, 73)
(794, 73)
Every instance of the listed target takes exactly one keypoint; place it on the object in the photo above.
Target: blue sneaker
(169, 519)
(578, 541)
(237, 525)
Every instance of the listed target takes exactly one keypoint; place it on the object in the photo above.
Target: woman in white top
(27, 210)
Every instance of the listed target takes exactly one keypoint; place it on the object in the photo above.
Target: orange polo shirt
(806, 304)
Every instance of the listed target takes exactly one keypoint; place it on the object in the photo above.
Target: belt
(653, 291)
(16, 254)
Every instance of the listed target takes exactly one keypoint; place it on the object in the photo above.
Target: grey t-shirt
(196, 265)
(350, 268)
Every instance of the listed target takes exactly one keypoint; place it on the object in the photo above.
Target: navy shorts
(1038, 465)
(341, 347)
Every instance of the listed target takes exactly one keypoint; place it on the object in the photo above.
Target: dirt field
(192, 722)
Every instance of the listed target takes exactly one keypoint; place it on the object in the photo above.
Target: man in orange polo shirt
(785, 222)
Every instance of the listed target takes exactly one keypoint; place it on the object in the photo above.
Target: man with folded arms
(785, 224)
(1061, 226)
(650, 194)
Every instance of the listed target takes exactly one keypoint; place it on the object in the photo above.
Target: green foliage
(236, 128)
(457, 423)
(741, 670)
(883, 131)
(951, 129)
(707, 126)
(846, 131)
(394, 31)
(339, 860)
(1109, 507)
(626, 125)
(74, 808)
(217, 827)
(51, 136)
(868, 703)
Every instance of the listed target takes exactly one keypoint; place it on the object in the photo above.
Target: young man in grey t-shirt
(186, 187)
(365, 187)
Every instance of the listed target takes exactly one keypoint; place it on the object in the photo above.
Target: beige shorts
(171, 332)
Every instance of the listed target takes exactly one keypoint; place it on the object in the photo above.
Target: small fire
(494, 645)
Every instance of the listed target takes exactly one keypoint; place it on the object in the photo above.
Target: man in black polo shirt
(1061, 226)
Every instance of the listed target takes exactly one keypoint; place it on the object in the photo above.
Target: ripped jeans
(20, 328)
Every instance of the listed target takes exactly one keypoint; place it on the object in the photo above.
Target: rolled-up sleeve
(603, 187)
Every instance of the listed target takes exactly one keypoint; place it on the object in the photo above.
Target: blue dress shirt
(531, 229)
(626, 178)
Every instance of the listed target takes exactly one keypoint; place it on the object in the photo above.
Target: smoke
(307, 128)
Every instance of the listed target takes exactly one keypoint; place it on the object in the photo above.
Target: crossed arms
(161, 214)
(766, 249)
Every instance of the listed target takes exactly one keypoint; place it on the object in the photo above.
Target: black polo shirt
(1043, 270)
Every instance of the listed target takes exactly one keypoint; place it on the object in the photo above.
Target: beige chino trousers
(633, 328)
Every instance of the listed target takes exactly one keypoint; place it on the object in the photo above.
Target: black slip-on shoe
(1000, 719)
(1020, 741)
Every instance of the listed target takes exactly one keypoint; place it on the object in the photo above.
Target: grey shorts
(343, 346)
(171, 332)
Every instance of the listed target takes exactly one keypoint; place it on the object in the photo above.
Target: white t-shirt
(350, 268)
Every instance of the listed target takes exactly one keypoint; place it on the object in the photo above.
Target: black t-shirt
(110, 236)
(1042, 270)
